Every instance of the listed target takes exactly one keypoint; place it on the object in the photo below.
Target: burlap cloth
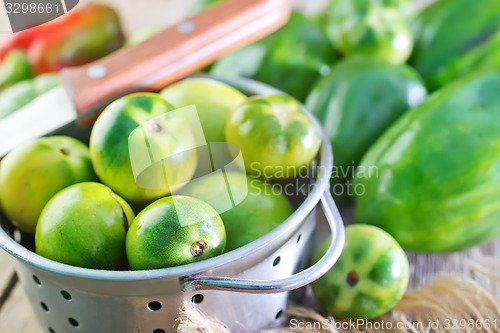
(452, 302)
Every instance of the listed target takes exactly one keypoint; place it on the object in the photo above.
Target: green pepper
(15, 68)
(23, 93)
(405, 7)
(245, 62)
(357, 103)
(447, 29)
(291, 59)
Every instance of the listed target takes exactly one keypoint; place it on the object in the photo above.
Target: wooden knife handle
(174, 53)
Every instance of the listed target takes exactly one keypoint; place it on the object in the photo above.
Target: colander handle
(295, 281)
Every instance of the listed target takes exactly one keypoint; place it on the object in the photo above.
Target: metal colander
(247, 289)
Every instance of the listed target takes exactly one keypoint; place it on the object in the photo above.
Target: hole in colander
(66, 295)
(197, 299)
(51, 330)
(44, 306)
(159, 330)
(276, 261)
(154, 306)
(37, 280)
(73, 322)
(298, 239)
(279, 314)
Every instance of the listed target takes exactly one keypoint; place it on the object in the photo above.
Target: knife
(150, 66)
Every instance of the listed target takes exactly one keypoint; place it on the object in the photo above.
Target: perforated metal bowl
(247, 289)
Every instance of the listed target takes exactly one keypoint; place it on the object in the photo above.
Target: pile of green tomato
(80, 202)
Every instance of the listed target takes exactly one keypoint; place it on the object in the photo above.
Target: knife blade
(165, 58)
(45, 115)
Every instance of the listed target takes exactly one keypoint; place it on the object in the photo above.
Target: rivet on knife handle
(175, 52)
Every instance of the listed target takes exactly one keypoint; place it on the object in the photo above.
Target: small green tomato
(35, 171)
(276, 137)
(369, 278)
(174, 231)
(84, 225)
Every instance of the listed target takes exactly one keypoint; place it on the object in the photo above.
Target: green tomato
(121, 128)
(290, 59)
(84, 225)
(276, 138)
(214, 101)
(377, 31)
(369, 278)
(34, 172)
(249, 211)
(405, 7)
(299, 54)
(174, 231)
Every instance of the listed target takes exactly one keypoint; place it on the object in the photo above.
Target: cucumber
(433, 179)
(449, 28)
